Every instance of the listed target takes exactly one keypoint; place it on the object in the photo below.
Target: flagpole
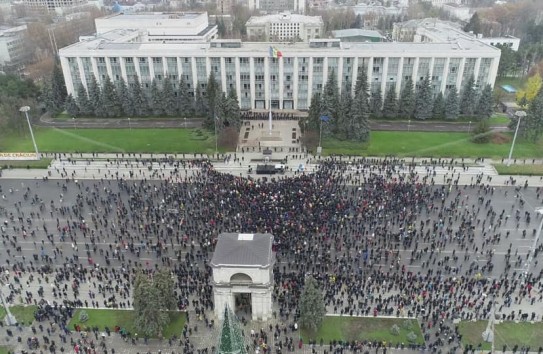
(270, 93)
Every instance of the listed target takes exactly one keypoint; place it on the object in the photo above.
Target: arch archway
(240, 278)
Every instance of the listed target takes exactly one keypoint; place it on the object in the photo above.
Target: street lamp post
(216, 141)
(185, 122)
(520, 115)
(469, 127)
(73, 121)
(25, 109)
(10, 319)
(129, 125)
(409, 125)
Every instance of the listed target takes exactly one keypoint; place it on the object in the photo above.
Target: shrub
(408, 324)
(411, 337)
(481, 133)
(395, 330)
(83, 316)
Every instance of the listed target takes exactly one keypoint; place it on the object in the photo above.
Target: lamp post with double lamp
(25, 110)
(520, 115)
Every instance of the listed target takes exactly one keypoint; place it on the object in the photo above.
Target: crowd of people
(379, 238)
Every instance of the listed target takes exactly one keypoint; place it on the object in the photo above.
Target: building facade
(284, 27)
(13, 52)
(285, 83)
(271, 6)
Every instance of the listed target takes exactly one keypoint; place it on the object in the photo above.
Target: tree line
(347, 115)
(161, 99)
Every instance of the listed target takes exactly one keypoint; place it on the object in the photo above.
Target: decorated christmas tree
(231, 340)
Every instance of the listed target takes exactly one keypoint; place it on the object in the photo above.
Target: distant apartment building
(224, 7)
(13, 52)
(59, 7)
(284, 27)
(161, 26)
(272, 6)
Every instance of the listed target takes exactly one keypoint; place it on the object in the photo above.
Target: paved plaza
(439, 240)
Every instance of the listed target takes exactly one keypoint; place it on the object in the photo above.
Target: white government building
(287, 82)
(284, 27)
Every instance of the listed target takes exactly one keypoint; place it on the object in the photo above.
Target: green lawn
(42, 163)
(507, 333)
(113, 140)
(125, 319)
(5, 350)
(499, 118)
(363, 328)
(424, 144)
(23, 314)
(525, 170)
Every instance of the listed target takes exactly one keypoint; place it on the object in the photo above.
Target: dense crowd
(372, 232)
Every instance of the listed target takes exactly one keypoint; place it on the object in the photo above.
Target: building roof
(353, 32)
(155, 16)
(100, 46)
(242, 250)
(284, 17)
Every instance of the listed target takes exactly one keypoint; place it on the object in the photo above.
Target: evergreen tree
(390, 106)
(361, 83)
(485, 104)
(85, 106)
(100, 110)
(438, 111)
(110, 101)
(168, 98)
(140, 99)
(200, 104)
(186, 102)
(330, 104)
(359, 129)
(164, 283)
(71, 106)
(344, 113)
(232, 109)
(534, 118)
(94, 95)
(376, 103)
(407, 100)
(312, 308)
(452, 105)
(469, 97)
(58, 89)
(150, 317)
(221, 110)
(125, 98)
(314, 113)
(423, 101)
(474, 24)
(231, 337)
(156, 100)
(212, 92)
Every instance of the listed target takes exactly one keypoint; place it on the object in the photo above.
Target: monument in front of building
(243, 275)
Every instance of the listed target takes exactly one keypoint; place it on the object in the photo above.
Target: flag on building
(274, 53)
